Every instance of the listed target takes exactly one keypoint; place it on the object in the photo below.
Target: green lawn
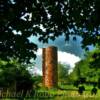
(68, 92)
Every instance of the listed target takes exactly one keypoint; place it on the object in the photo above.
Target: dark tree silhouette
(81, 89)
(80, 17)
(94, 90)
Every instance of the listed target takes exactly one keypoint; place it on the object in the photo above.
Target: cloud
(70, 46)
(68, 58)
(63, 57)
(35, 71)
(69, 52)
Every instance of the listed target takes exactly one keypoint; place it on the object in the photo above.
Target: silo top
(52, 47)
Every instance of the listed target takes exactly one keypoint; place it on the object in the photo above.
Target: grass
(67, 92)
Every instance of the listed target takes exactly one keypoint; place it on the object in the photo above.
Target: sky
(69, 52)
(63, 57)
(70, 46)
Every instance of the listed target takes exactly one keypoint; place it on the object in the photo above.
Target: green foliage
(88, 67)
(57, 17)
(14, 75)
(37, 82)
(95, 58)
(62, 72)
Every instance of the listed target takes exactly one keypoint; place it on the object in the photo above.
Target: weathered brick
(49, 66)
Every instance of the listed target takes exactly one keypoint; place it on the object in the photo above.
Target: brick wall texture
(49, 67)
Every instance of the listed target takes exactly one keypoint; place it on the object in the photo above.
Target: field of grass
(66, 92)
(69, 92)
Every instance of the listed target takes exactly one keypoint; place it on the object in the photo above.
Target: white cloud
(35, 71)
(68, 58)
(63, 57)
(69, 52)
(39, 52)
(70, 46)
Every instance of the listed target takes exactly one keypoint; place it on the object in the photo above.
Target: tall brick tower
(49, 67)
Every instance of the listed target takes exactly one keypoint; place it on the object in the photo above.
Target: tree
(95, 58)
(57, 17)
(15, 76)
(62, 72)
(88, 67)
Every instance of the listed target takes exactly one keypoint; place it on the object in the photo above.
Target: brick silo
(49, 66)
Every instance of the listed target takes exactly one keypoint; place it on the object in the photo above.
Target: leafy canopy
(63, 72)
(46, 19)
(89, 67)
(14, 75)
